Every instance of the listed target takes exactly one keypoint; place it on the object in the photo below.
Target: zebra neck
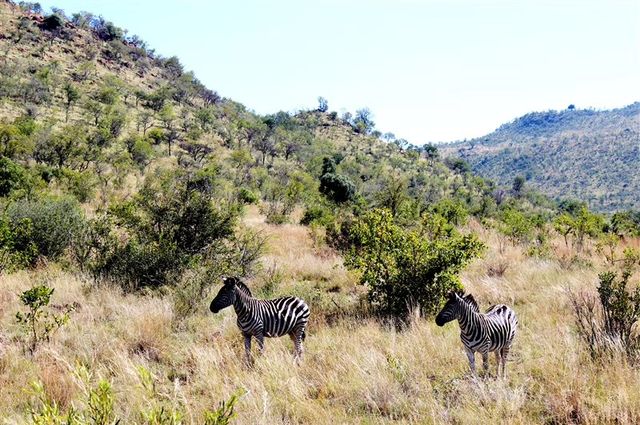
(243, 303)
(468, 319)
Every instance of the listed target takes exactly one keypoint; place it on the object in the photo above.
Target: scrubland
(356, 369)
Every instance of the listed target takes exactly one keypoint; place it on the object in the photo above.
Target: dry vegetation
(356, 369)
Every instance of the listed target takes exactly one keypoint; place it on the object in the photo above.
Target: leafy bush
(170, 225)
(39, 323)
(246, 196)
(12, 177)
(17, 249)
(55, 223)
(407, 269)
(317, 214)
(336, 187)
(606, 322)
(225, 411)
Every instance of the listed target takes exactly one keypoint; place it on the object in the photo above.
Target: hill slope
(582, 154)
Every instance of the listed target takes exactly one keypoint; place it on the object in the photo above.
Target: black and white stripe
(492, 331)
(263, 318)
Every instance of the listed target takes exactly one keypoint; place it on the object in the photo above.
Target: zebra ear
(228, 281)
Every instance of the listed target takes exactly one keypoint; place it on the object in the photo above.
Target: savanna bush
(407, 268)
(54, 223)
(13, 177)
(171, 225)
(606, 322)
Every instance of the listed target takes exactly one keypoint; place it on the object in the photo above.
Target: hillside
(580, 154)
(128, 189)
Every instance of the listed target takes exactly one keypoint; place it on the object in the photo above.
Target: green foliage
(452, 210)
(336, 187)
(516, 226)
(406, 269)
(54, 223)
(626, 223)
(584, 223)
(246, 196)
(317, 214)
(606, 323)
(38, 322)
(13, 177)
(17, 249)
(100, 405)
(99, 410)
(225, 411)
(170, 225)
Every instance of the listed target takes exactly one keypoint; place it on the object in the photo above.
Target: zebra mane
(472, 302)
(244, 288)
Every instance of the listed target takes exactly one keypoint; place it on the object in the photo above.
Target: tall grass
(355, 370)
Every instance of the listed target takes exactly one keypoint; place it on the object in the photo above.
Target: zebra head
(450, 310)
(226, 296)
(454, 306)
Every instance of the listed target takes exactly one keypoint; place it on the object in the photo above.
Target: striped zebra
(263, 318)
(491, 331)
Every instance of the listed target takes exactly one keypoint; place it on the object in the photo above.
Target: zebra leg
(498, 359)
(247, 349)
(260, 339)
(296, 337)
(485, 362)
(472, 361)
(505, 353)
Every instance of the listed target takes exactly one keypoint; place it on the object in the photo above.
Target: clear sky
(429, 70)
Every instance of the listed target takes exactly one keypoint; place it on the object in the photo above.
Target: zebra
(492, 331)
(263, 318)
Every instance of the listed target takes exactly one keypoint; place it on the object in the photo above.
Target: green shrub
(80, 184)
(334, 186)
(172, 224)
(452, 210)
(17, 249)
(225, 411)
(246, 196)
(38, 322)
(55, 223)
(317, 214)
(12, 177)
(407, 269)
(606, 322)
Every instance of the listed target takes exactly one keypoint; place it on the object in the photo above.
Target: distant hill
(582, 154)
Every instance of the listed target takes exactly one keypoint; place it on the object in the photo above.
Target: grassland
(357, 369)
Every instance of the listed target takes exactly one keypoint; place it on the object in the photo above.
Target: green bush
(38, 322)
(246, 196)
(172, 224)
(55, 223)
(406, 269)
(12, 177)
(606, 323)
(334, 186)
(317, 214)
(17, 249)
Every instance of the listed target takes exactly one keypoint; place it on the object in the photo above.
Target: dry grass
(355, 370)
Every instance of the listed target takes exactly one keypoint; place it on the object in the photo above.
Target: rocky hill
(576, 153)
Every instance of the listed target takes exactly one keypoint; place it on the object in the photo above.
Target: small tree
(518, 185)
(407, 269)
(364, 121)
(71, 95)
(38, 322)
(336, 187)
(323, 105)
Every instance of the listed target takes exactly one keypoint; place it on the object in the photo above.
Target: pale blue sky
(431, 70)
